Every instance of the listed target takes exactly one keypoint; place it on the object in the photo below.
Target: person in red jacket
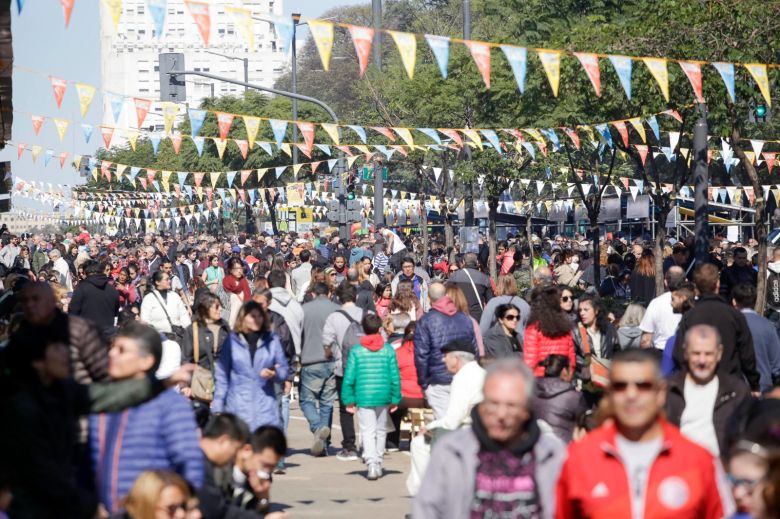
(638, 465)
(548, 331)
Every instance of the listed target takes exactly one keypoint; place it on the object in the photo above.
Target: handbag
(202, 384)
(598, 367)
(177, 332)
(474, 287)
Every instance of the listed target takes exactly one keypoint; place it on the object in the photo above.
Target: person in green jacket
(372, 388)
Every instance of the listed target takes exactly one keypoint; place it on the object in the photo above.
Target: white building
(129, 55)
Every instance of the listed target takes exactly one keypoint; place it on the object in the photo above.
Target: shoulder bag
(202, 384)
(177, 332)
(599, 368)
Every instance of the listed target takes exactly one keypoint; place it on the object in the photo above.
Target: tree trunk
(468, 209)
(528, 231)
(594, 235)
(492, 212)
(759, 221)
(271, 202)
(449, 233)
(660, 239)
(426, 241)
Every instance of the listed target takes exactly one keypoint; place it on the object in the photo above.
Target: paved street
(327, 487)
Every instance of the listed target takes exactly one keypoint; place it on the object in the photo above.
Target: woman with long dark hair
(383, 295)
(503, 340)
(643, 278)
(548, 331)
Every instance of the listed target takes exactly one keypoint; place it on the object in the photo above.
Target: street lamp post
(294, 79)
(379, 181)
(701, 180)
(245, 60)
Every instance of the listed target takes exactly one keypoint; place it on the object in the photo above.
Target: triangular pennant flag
(196, 120)
(362, 38)
(280, 170)
(551, 62)
(63, 158)
(48, 154)
(132, 136)
(405, 134)
(304, 149)
(430, 132)
(214, 178)
(176, 142)
(758, 71)
(142, 107)
(198, 141)
(492, 138)
(182, 176)
(452, 134)
(242, 18)
(170, 112)
(387, 132)
(37, 122)
(115, 11)
(407, 48)
(199, 10)
(726, 71)
(575, 139)
(198, 178)
(116, 103)
(360, 131)
(440, 46)
(622, 66)
(770, 160)
(266, 147)
(480, 51)
(279, 129)
(620, 126)
(590, 62)
(324, 148)
(245, 173)
(107, 132)
(518, 61)
(642, 149)
(284, 31)
(657, 67)
(307, 130)
(221, 144)
(20, 150)
(604, 131)
(155, 140)
(436, 173)
(86, 94)
(35, 152)
(634, 191)
(252, 125)
(157, 10)
(229, 177)
(285, 147)
(243, 147)
(636, 122)
(692, 69)
(674, 138)
(224, 121)
(332, 130)
(59, 86)
(757, 147)
(652, 122)
(322, 33)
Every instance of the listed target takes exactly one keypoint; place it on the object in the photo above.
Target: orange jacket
(685, 481)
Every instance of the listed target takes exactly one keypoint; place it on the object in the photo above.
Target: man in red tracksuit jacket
(638, 466)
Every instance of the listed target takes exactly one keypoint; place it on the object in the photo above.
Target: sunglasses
(172, 509)
(565, 299)
(511, 317)
(619, 386)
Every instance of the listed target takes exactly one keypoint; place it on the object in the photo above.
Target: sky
(43, 46)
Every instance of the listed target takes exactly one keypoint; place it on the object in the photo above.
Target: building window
(140, 9)
(143, 90)
(157, 68)
(141, 32)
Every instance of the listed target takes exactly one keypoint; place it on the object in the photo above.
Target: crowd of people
(152, 376)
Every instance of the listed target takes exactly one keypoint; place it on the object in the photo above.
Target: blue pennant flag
(280, 129)
(492, 138)
(157, 9)
(668, 152)
(266, 146)
(640, 184)
(198, 145)
(386, 152)
(440, 46)
(20, 5)
(155, 140)
(188, 189)
(324, 148)
(182, 177)
(430, 132)
(518, 60)
(48, 154)
(550, 134)
(548, 172)
(92, 161)
(361, 132)
(284, 31)
(252, 196)
(87, 129)
(600, 149)
(156, 185)
(604, 131)
(652, 122)
(116, 102)
(530, 149)
(230, 175)
(622, 66)
(331, 164)
(196, 120)
(134, 171)
(280, 170)
(726, 71)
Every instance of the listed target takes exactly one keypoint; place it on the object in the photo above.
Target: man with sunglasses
(639, 465)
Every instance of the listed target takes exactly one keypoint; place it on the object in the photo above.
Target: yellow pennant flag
(758, 71)
(362, 148)
(252, 124)
(214, 178)
(115, 10)
(534, 133)
(35, 152)
(551, 61)
(243, 19)
(120, 170)
(474, 136)
(351, 160)
(406, 135)
(86, 95)
(285, 147)
(322, 32)
(221, 145)
(407, 48)
(166, 176)
(261, 173)
(657, 67)
(132, 136)
(296, 169)
(170, 111)
(166, 187)
(333, 132)
(62, 127)
(636, 122)
(76, 161)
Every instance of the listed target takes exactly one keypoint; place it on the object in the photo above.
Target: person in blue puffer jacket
(251, 361)
(441, 325)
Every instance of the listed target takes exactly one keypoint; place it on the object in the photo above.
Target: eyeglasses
(748, 485)
(511, 317)
(565, 299)
(619, 386)
(172, 509)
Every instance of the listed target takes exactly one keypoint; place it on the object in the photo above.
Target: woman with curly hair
(406, 301)
(548, 331)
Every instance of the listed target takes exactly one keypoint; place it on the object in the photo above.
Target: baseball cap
(236, 248)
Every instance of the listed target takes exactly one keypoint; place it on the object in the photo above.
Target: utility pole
(379, 181)
(468, 200)
(296, 17)
(701, 180)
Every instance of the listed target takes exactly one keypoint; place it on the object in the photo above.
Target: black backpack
(773, 291)
(282, 331)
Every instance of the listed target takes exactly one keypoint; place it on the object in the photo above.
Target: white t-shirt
(397, 244)
(638, 458)
(660, 320)
(696, 420)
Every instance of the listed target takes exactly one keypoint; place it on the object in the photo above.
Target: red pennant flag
(590, 62)
(345, 149)
(387, 132)
(315, 165)
(104, 169)
(362, 37)
(693, 71)
(37, 122)
(63, 157)
(770, 160)
(575, 139)
(542, 147)
(674, 114)
(200, 13)
(620, 126)
(176, 141)
(515, 133)
(107, 132)
(481, 53)
(304, 149)
(452, 134)
(224, 121)
(243, 146)
(401, 149)
(20, 150)
(142, 107)
(59, 85)
(642, 149)
(245, 175)
(307, 130)
(624, 180)
(67, 9)
(198, 178)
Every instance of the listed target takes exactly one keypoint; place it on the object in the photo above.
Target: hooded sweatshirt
(291, 311)
(371, 377)
(97, 300)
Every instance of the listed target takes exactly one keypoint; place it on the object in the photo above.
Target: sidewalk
(327, 487)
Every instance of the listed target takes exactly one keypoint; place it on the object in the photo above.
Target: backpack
(773, 291)
(283, 332)
(351, 336)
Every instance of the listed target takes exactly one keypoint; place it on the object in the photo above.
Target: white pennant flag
(436, 173)
(757, 147)
(634, 190)
(674, 138)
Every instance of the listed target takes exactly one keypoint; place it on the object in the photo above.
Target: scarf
(237, 286)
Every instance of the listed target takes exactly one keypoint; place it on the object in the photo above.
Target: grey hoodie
(292, 313)
(315, 313)
(629, 337)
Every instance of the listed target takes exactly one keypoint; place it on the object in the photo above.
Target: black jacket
(206, 343)
(365, 297)
(214, 504)
(97, 300)
(498, 344)
(739, 359)
(484, 290)
(733, 276)
(732, 394)
(559, 404)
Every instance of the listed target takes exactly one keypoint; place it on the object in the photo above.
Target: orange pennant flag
(67, 9)
(37, 122)
(590, 62)
(481, 53)
(107, 132)
(224, 122)
(620, 126)
(142, 107)
(642, 149)
(243, 146)
(387, 132)
(362, 37)
(63, 158)
(307, 130)
(58, 85)
(693, 71)
(200, 13)
(452, 134)
(176, 141)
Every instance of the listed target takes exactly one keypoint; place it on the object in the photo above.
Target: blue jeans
(318, 388)
(284, 411)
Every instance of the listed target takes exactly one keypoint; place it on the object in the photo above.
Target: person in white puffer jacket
(162, 308)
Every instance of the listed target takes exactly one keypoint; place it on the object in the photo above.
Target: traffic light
(351, 188)
(759, 112)
(172, 87)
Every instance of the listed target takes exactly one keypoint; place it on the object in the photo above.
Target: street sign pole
(701, 180)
